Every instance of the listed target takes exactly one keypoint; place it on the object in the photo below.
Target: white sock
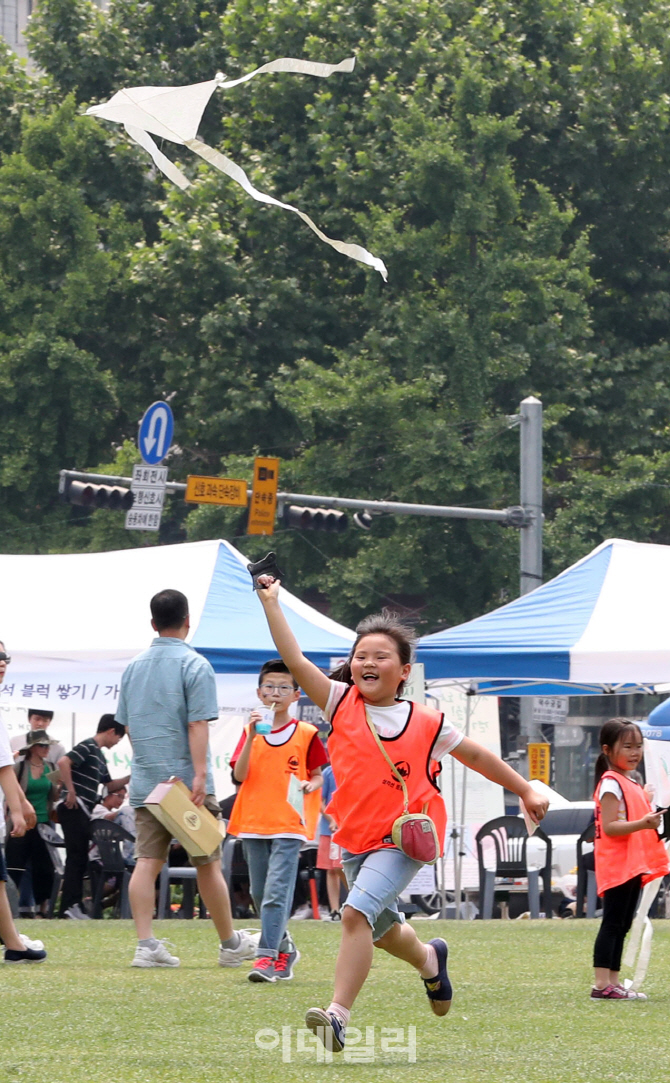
(150, 943)
(431, 965)
(343, 1014)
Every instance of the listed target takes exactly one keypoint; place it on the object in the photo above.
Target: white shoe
(33, 945)
(158, 956)
(76, 913)
(244, 952)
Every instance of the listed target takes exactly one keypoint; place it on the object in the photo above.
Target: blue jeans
(375, 881)
(273, 867)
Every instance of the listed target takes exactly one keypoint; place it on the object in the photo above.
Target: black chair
(510, 840)
(108, 837)
(586, 876)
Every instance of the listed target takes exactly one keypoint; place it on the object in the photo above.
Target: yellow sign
(539, 762)
(202, 490)
(264, 496)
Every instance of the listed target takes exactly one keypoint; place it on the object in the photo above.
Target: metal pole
(530, 536)
(461, 825)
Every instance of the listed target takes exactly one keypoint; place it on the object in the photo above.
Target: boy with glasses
(270, 826)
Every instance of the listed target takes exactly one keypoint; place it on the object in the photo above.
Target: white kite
(174, 113)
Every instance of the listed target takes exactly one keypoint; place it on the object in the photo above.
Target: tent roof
(600, 625)
(89, 612)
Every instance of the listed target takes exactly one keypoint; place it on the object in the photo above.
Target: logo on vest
(293, 763)
(192, 820)
(403, 768)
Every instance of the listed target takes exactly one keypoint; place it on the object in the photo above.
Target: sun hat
(36, 737)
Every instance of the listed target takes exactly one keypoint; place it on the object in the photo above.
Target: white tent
(71, 623)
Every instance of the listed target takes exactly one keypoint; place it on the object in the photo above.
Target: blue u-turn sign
(155, 435)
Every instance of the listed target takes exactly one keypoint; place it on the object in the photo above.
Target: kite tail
(236, 173)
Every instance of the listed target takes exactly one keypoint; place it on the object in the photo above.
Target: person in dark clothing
(82, 771)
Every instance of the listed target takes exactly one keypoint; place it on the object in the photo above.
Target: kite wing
(174, 113)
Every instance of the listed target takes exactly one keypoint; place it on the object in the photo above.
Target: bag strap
(390, 762)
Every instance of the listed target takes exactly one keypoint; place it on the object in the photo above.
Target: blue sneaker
(327, 1027)
(438, 989)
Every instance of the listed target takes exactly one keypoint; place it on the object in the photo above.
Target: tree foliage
(509, 161)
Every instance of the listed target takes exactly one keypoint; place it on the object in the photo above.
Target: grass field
(521, 1012)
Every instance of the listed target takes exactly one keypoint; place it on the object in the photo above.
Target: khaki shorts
(153, 840)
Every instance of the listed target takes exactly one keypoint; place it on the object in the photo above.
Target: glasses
(4, 657)
(284, 689)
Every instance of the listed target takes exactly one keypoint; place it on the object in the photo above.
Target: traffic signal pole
(526, 517)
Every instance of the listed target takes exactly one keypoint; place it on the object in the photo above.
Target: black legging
(619, 904)
(32, 848)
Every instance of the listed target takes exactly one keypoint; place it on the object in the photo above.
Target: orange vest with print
(261, 807)
(368, 797)
(622, 857)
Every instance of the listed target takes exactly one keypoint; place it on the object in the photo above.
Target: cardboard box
(194, 827)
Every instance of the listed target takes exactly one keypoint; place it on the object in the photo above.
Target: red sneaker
(263, 969)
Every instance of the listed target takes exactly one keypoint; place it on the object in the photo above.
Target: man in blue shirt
(166, 701)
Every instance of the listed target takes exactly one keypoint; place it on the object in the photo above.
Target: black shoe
(438, 989)
(29, 955)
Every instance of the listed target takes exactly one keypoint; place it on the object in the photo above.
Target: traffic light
(85, 495)
(334, 522)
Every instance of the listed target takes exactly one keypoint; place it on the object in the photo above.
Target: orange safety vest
(368, 797)
(620, 858)
(261, 807)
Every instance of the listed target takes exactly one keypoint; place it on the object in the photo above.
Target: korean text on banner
(264, 496)
(539, 762)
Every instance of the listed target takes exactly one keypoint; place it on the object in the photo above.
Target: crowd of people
(285, 779)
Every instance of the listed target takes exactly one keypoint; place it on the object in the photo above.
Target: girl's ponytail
(342, 673)
(602, 765)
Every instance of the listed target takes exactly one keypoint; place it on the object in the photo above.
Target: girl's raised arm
(309, 677)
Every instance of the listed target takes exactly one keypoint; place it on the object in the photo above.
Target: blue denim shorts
(3, 866)
(375, 880)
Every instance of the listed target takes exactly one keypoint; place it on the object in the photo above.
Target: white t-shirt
(390, 721)
(6, 760)
(610, 785)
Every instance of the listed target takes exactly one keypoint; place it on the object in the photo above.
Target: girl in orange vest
(628, 850)
(368, 799)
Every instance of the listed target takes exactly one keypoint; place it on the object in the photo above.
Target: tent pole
(461, 824)
(74, 728)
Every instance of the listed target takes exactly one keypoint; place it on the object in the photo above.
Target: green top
(37, 793)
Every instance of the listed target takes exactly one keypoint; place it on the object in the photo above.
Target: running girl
(368, 799)
(628, 851)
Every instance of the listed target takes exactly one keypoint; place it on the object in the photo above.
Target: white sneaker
(33, 945)
(244, 952)
(76, 913)
(158, 956)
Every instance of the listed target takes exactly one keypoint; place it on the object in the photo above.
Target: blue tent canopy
(598, 627)
(232, 631)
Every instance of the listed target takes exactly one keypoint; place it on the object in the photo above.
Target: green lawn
(521, 1011)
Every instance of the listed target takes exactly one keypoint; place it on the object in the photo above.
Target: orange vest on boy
(368, 797)
(620, 858)
(261, 807)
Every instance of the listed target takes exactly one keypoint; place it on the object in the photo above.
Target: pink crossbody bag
(413, 833)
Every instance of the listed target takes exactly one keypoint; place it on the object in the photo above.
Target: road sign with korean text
(539, 762)
(148, 489)
(263, 496)
(205, 490)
